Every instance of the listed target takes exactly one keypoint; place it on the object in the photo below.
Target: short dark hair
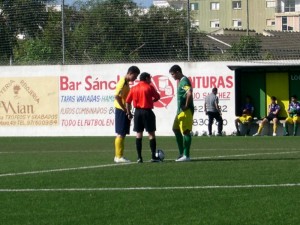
(144, 76)
(214, 89)
(133, 69)
(273, 98)
(175, 69)
(294, 96)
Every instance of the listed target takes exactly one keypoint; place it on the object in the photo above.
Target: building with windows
(212, 15)
(159, 3)
(287, 16)
(176, 4)
(258, 15)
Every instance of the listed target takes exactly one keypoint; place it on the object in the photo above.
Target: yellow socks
(119, 147)
(260, 129)
(274, 127)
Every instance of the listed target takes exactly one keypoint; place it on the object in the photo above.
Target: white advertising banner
(78, 100)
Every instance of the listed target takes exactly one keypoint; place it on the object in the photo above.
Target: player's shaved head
(175, 69)
(133, 69)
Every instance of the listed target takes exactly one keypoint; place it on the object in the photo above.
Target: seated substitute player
(273, 112)
(246, 118)
(143, 95)
(294, 116)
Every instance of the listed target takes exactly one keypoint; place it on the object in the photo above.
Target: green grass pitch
(73, 180)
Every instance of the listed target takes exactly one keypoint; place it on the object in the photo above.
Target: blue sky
(143, 3)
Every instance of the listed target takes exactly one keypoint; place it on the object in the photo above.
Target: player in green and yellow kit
(294, 116)
(183, 122)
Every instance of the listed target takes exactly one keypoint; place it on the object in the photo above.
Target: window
(236, 23)
(236, 4)
(270, 22)
(285, 24)
(215, 24)
(194, 6)
(214, 5)
(270, 4)
(289, 6)
(195, 24)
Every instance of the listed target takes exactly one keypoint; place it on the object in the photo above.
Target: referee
(143, 95)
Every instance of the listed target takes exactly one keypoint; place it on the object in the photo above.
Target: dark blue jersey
(273, 108)
(248, 108)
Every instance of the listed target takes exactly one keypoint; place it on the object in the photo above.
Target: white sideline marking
(245, 155)
(123, 164)
(64, 169)
(247, 186)
(47, 152)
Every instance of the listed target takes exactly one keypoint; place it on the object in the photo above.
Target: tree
(164, 32)
(107, 31)
(117, 30)
(47, 48)
(26, 17)
(33, 51)
(198, 52)
(248, 48)
(4, 43)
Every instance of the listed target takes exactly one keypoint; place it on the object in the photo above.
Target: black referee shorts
(144, 119)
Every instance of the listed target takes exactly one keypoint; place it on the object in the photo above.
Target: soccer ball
(160, 154)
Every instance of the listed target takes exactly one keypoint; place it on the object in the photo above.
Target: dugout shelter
(263, 81)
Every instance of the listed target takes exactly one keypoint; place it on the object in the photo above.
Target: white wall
(45, 100)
